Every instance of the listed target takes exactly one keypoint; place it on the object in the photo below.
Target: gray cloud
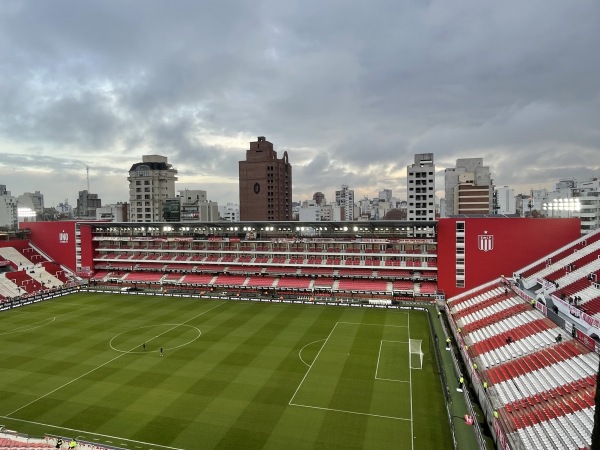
(351, 90)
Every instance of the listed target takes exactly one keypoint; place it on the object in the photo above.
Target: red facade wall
(87, 250)
(516, 243)
(56, 239)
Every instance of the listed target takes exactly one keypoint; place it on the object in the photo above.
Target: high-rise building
(588, 193)
(150, 183)
(469, 188)
(385, 195)
(344, 198)
(265, 183)
(319, 198)
(8, 209)
(505, 202)
(420, 179)
(87, 204)
(195, 207)
(34, 200)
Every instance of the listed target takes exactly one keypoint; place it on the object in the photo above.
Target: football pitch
(233, 375)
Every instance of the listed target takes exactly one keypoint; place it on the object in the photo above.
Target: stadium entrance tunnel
(151, 338)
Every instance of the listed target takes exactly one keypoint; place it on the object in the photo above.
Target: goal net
(416, 355)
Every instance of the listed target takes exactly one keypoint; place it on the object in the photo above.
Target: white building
(505, 200)
(195, 206)
(332, 213)
(8, 211)
(344, 198)
(113, 213)
(230, 212)
(151, 182)
(33, 200)
(309, 211)
(64, 208)
(420, 180)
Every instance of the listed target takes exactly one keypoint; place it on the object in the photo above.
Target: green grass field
(234, 375)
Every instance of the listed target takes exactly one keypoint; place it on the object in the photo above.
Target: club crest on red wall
(63, 237)
(485, 242)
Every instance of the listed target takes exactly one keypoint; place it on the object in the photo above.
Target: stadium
(303, 335)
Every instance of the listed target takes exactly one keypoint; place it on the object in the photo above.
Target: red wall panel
(56, 239)
(87, 250)
(517, 242)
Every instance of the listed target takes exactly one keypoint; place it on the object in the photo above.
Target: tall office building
(151, 182)
(344, 198)
(319, 198)
(195, 207)
(469, 188)
(420, 179)
(33, 200)
(505, 201)
(87, 204)
(8, 209)
(265, 183)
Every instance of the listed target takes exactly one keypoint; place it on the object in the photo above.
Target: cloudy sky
(351, 89)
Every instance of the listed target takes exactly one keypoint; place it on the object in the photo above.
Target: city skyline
(350, 93)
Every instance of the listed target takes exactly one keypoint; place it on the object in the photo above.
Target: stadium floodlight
(25, 212)
(562, 204)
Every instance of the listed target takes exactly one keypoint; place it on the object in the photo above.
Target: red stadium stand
(229, 280)
(201, 279)
(263, 282)
(293, 283)
(143, 277)
(363, 285)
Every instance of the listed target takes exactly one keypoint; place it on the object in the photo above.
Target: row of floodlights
(25, 212)
(167, 228)
(563, 204)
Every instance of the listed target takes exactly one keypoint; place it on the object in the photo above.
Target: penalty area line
(151, 444)
(350, 412)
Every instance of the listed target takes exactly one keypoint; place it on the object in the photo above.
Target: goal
(414, 347)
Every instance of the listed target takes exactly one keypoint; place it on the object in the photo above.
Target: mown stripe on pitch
(347, 429)
(260, 417)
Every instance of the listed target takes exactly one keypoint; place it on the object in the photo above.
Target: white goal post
(414, 347)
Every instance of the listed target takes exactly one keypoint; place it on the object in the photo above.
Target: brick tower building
(265, 183)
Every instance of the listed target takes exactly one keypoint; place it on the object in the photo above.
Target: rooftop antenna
(87, 170)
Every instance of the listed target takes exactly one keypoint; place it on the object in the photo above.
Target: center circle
(151, 338)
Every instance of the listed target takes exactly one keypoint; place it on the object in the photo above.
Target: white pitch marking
(310, 367)
(412, 431)
(375, 324)
(300, 351)
(349, 412)
(90, 432)
(107, 362)
(389, 379)
(32, 326)
(378, 357)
